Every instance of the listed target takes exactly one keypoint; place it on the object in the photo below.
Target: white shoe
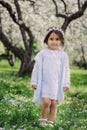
(43, 122)
(50, 123)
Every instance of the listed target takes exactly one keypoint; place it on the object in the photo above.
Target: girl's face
(53, 41)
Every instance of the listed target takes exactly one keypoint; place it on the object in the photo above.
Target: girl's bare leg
(53, 110)
(45, 107)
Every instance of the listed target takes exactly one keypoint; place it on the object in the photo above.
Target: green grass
(18, 111)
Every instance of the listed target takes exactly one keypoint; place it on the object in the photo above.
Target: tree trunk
(27, 37)
(11, 58)
(26, 66)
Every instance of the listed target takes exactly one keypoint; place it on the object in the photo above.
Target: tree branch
(78, 1)
(61, 15)
(17, 21)
(56, 7)
(57, 13)
(8, 44)
(74, 16)
(24, 28)
(79, 13)
(9, 8)
(64, 5)
(33, 2)
(20, 23)
(0, 22)
(24, 37)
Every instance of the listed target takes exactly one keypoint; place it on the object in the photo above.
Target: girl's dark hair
(56, 31)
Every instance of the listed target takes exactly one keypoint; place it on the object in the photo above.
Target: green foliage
(17, 111)
(78, 77)
(36, 48)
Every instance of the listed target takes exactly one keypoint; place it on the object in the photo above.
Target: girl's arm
(35, 72)
(67, 75)
(34, 76)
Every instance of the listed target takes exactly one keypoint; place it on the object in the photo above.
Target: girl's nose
(54, 41)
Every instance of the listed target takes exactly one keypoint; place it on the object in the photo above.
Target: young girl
(51, 75)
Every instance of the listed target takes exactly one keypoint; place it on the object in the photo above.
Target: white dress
(51, 67)
(51, 73)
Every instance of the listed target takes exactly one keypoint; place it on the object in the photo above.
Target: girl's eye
(51, 38)
(57, 39)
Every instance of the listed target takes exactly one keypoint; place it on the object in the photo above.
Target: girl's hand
(34, 86)
(65, 89)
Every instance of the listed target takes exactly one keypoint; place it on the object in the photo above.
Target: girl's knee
(46, 102)
(54, 103)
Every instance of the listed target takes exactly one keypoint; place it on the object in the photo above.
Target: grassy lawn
(18, 112)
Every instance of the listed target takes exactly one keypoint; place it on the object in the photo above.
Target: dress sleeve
(34, 76)
(67, 72)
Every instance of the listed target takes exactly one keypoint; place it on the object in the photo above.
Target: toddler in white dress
(51, 75)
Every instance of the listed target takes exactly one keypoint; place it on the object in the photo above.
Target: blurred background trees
(23, 24)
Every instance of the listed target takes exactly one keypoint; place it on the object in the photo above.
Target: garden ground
(17, 111)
